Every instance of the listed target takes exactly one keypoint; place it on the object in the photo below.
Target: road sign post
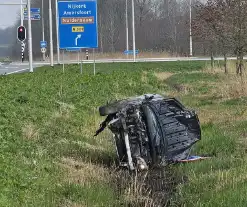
(78, 24)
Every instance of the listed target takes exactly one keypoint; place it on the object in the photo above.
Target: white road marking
(11, 67)
(17, 71)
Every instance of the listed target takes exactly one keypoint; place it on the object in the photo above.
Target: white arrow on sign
(76, 39)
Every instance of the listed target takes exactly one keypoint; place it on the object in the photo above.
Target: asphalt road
(8, 69)
(18, 67)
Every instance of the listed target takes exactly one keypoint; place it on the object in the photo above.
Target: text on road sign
(77, 29)
(78, 20)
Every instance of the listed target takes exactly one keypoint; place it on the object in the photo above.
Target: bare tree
(227, 19)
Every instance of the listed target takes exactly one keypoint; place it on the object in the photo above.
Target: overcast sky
(9, 14)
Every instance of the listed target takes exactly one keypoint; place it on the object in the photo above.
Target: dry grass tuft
(83, 173)
(232, 86)
(163, 75)
(69, 203)
(144, 77)
(63, 112)
(137, 193)
(30, 131)
(231, 68)
(183, 88)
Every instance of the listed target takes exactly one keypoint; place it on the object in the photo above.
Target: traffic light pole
(30, 37)
(21, 14)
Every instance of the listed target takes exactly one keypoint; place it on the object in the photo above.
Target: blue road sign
(78, 24)
(33, 17)
(130, 52)
(43, 44)
(73, 49)
(33, 10)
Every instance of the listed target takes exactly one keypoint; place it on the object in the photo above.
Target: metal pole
(133, 30)
(63, 61)
(22, 43)
(12, 4)
(191, 51)
(30, 37)
(43, 29)
(57, 26)
(127, 29)
(51, 39)
(21, 14)
(94, 69)
(78, 57)
(81, 61)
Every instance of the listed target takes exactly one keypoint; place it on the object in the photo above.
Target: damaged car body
(150, 130)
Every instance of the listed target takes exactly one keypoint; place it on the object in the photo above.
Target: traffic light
(21, 33)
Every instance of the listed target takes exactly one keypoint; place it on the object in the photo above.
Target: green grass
(48, 115)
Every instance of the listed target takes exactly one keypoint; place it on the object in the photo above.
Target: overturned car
(150, 130)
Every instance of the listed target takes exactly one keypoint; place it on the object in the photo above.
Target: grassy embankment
(49, 156)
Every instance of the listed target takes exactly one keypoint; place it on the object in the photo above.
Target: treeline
(223, 25)
(160, 26)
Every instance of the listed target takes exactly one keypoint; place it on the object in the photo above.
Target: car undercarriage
(150, 130)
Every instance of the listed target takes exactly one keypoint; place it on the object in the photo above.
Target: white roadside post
(133, 30)
(57, 26)
(51, 39)
(30, 46)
